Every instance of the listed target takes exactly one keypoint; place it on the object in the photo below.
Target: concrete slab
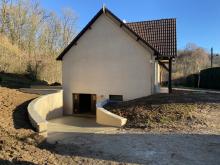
(59, 129)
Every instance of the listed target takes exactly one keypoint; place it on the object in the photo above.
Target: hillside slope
(16, 61)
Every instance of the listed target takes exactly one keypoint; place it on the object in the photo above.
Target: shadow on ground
(15, 162)
(74, 121)
(176, 97)
(20, 116)
(14, 80)
(139, 148)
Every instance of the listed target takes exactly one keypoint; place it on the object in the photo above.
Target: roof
(161, 34)
(135, 29)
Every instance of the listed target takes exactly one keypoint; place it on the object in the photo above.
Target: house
(111, 59)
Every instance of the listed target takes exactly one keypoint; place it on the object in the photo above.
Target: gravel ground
(19, 144)
(144, 148)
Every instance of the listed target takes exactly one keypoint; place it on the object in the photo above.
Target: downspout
(153, 75)
(170, 76)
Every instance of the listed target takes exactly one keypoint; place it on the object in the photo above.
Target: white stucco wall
(106, 60)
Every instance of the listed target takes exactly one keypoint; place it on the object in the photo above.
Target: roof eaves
(133, 32)
(74, 41)
(170, 22)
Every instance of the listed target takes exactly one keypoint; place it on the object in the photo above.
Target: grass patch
(12, 80)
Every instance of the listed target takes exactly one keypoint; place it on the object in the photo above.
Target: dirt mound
(173, 111)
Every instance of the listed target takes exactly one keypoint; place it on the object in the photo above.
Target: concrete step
(85, 115)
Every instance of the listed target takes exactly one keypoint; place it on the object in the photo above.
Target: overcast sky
(198, 21)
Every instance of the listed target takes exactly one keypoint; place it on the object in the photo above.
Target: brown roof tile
(161, 34)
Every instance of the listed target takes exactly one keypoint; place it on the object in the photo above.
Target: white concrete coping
(45, 87)
(163, 90)
(44, 108)
(105, 117)
(38, 91)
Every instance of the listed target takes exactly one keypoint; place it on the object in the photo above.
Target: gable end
(88, 26)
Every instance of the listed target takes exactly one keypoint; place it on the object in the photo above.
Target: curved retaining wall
(105, 117)
(39, 91)
(45, 108)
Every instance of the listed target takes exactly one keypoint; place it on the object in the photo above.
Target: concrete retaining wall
(163, 90)
(107, 118)
(45, 108)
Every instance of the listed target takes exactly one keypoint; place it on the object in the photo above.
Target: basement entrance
(84, 104)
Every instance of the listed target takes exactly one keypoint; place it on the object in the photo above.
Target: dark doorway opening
(84, 103)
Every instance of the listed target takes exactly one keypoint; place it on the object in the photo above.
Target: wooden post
(170, 76)
(75, 103)
(93, 103)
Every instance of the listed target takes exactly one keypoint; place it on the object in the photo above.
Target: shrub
(192, 80)
(210, 78)
(55, 84)
(189, 81)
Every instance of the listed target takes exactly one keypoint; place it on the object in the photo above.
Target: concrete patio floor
(59, 129)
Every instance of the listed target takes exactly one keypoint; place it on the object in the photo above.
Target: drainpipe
(199, 78)
(170, 76)
(152, 74)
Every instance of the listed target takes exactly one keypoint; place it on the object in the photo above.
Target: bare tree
(40, 35)
(190, 60)
(3, 14)
(68, 23)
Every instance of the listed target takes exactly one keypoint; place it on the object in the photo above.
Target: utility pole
(211, 56)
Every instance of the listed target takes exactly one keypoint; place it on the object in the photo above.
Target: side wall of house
(106, 60)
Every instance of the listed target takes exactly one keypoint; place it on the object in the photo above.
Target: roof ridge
(162, 19)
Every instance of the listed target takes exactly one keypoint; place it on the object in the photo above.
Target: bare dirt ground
(192, 112)
(19, 144)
